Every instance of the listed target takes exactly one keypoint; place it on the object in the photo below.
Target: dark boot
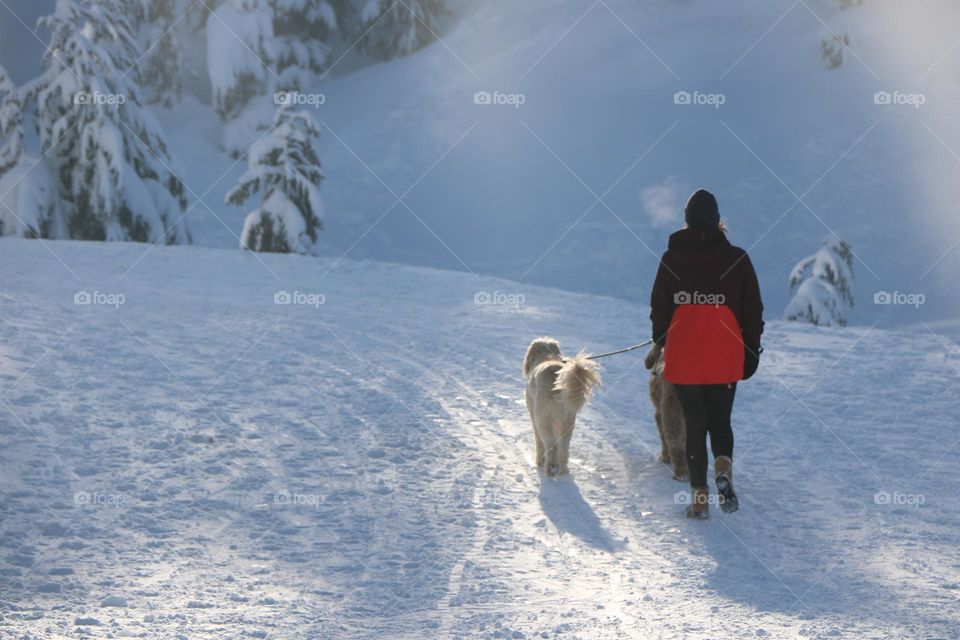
(723, 467)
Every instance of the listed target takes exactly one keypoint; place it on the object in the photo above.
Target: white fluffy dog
(556, 390)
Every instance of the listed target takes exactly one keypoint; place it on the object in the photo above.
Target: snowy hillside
(577, 179)
(795, 152)
(184, 458)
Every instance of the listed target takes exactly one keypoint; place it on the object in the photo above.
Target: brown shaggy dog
(557, 389)
(669, 416)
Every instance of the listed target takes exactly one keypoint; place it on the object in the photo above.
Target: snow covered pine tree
(11, 123)
(162, 68)
(284, 167)
(397, 27)
(28, 190)
(302, 30)
(822, 285)
(239, 49)
(109, 152)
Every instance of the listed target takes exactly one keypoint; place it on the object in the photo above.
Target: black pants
(706, 409)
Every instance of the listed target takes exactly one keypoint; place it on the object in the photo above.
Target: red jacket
(705, 308)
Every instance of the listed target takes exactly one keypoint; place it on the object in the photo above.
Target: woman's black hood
(696, 246)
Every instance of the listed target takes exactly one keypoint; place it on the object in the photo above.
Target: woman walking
(708, 317)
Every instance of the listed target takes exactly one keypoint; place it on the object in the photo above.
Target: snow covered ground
(185, 458)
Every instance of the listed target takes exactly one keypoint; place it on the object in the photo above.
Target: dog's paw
(681, 477)
(553, 471)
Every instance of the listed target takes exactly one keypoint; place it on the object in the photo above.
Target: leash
(613, 353)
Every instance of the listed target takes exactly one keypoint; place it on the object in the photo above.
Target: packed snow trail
(197, 461)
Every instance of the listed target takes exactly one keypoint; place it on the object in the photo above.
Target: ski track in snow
(230, 468)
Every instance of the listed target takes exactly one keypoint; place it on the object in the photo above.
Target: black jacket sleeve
(751, 313)
(662, 304)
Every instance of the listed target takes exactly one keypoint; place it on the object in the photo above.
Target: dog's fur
(669, 416)
(556, 390)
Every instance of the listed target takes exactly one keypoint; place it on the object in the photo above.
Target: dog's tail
(576, 380)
